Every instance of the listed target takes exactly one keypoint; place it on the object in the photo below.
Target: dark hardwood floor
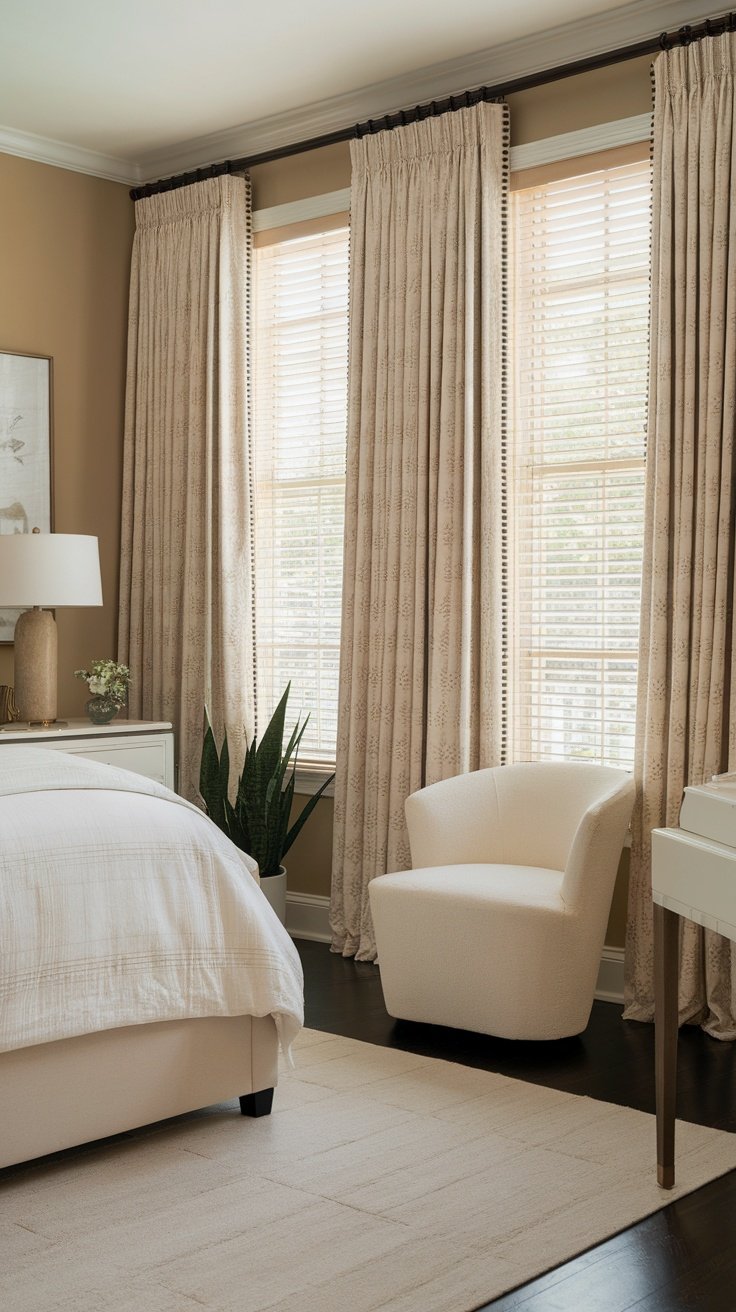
(683, 1257)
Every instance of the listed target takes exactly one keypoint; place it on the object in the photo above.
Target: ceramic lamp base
(35, 666)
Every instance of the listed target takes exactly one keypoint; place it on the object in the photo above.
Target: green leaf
(268, 755)
(210, 782)
(278, 822)
(235, 829)
(223, 780)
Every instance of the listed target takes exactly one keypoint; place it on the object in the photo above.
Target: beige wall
(621, 91)
(312, 174)
(310, 860)
(64, 266)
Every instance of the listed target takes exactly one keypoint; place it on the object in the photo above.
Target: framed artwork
(26, 469)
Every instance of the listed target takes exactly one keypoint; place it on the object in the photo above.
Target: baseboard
(308, 916)
(610, 986)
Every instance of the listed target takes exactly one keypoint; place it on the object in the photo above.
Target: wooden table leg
(666, 936)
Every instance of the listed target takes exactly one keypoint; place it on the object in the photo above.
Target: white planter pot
(274, 890)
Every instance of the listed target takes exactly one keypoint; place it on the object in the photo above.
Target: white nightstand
(146, 747)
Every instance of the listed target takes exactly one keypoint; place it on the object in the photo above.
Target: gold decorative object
(8, 708)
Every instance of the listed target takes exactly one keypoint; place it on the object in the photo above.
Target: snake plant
(257, 820)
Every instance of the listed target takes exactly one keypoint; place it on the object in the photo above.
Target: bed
(142, 972)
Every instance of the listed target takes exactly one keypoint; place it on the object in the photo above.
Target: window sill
(309, 779)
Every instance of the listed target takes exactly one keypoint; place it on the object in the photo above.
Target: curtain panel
(422, 643)
(686, 727)
(186, 627)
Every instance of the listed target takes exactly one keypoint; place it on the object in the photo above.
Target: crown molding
(627, 23)
(45, 150)
(527, 55)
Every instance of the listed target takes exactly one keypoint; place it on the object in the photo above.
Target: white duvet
(122, 904)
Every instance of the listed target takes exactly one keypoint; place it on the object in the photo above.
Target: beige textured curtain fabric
(422, 648)
(687, 681)
(185, 590)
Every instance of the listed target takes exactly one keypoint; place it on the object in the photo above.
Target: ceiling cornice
(557, 46)
(45, 150)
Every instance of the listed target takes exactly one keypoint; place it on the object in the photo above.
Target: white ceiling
(141, 81)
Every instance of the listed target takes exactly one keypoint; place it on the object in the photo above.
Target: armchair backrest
(531, 815)
(542, 806)
(590, 870)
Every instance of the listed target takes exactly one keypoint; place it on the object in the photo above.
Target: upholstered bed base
(58, 1095)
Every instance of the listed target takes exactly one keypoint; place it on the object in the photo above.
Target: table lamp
(40, 570)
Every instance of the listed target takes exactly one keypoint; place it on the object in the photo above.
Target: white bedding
(122, 904)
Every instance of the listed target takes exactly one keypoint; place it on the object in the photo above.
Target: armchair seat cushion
(521, 887)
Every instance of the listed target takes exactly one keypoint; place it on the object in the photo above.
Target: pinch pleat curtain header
(687, 69)
(214, 196)
(429, 140)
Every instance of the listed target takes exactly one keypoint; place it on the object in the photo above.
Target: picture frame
(26, 452)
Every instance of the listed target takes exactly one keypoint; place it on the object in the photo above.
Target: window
(579, 335)
(579, 356)
(300, 386)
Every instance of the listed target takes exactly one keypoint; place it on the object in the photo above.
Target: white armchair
(500, 925)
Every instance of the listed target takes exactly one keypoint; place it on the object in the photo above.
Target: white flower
(97, 686)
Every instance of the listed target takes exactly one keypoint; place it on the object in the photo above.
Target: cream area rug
(382, 1180)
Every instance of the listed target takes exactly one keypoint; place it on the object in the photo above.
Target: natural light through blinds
(300, 385)
(580, 333)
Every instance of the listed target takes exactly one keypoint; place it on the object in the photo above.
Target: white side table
(692, 877)
(144, 746)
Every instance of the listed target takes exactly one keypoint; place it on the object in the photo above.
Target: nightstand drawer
(147, 758)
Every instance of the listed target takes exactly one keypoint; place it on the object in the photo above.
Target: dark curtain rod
(652, 46)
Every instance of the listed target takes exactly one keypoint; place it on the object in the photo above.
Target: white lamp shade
(49, 569)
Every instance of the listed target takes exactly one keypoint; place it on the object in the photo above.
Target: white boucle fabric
(500, 926)
(122, 904)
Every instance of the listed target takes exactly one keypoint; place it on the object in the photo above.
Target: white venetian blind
(300, 386)
(580, 347)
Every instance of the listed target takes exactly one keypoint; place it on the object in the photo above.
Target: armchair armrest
(596, 849)
(455, 821)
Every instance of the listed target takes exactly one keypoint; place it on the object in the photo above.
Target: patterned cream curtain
(687, 680)
(185, 590)
(422, 648)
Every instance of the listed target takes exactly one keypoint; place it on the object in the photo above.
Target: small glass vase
(101, 709)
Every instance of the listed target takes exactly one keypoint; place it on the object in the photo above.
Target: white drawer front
(148, 759)
(695, 878)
